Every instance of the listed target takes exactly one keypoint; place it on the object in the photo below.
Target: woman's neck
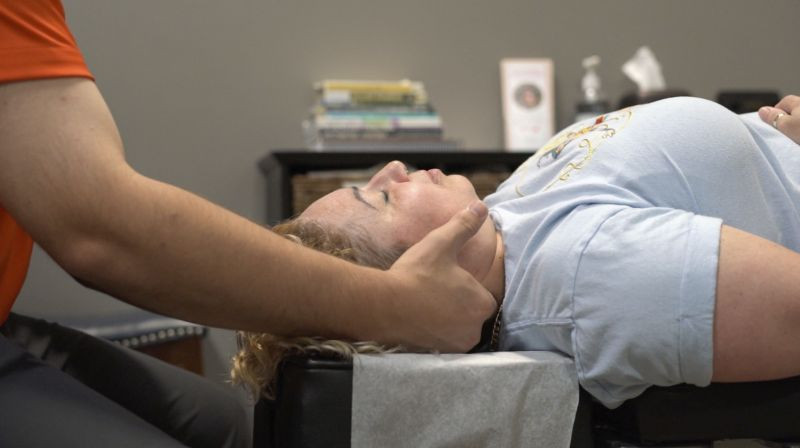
(495, 280)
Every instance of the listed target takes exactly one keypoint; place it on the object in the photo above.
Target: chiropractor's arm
(64, 178)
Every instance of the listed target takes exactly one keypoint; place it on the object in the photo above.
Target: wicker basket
(308, 188)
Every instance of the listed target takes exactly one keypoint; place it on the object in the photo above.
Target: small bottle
(593, 102)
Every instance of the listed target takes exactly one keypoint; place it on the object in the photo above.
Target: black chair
(313, 403)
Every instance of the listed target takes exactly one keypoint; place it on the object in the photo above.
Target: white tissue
(643, 69)
(502, 399)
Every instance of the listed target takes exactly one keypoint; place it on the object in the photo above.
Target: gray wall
(202, 89)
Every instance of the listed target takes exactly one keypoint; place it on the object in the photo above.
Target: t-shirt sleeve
(15, 255)
(643, 300)
(36, 43)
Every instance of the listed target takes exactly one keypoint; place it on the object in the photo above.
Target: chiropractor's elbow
(91, 238)
(86, 258)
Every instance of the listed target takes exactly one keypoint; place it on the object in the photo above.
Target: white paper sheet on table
(502, 399)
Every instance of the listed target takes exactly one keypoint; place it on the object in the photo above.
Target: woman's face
(399, 209)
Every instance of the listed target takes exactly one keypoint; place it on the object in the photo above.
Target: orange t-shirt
(35, 43)
(15, 253)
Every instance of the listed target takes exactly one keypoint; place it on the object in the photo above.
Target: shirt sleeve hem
(24, 64)
(698, 297)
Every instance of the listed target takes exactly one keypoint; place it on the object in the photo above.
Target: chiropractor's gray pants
(63, 388)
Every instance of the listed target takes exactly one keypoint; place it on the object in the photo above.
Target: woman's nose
(393, 172)
(397, 171)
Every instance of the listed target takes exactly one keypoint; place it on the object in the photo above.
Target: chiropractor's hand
(441, 305)
(785, 116)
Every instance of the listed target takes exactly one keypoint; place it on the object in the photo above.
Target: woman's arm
(64, 178)
(757, 316)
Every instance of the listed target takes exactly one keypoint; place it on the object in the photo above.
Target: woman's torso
(683, 154)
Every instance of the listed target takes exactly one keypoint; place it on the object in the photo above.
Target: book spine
(378, 112)
(321, 109)
(377, 134)
(344, 97)
(377, 122)
(404, 86)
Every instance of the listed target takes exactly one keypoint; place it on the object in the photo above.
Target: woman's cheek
(413, 229)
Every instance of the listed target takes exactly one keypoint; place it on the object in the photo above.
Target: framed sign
(528, 102)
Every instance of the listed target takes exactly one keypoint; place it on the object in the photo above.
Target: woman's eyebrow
(358, 196)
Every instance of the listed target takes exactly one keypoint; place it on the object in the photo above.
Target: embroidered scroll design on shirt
(590, 138)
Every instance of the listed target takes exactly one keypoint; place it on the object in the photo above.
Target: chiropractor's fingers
(444, 306)
(451, 237)
(785, 116)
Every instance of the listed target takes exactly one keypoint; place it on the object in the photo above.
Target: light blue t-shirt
(611, 235)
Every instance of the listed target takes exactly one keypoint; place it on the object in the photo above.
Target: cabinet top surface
(344, 159)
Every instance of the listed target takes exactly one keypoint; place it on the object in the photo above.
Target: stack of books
(379, 115)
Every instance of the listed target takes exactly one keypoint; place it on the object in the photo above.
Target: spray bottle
(593, 102)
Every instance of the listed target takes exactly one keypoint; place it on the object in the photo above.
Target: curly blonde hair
(260, 354)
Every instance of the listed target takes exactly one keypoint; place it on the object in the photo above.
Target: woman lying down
(655, 245)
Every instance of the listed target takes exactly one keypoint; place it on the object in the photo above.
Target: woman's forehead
(339, 203)
(343, 210)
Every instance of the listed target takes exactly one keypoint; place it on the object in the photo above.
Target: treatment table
(312, 408)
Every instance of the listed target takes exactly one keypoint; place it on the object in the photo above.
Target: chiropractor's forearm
(165, 249)
(64, 178)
